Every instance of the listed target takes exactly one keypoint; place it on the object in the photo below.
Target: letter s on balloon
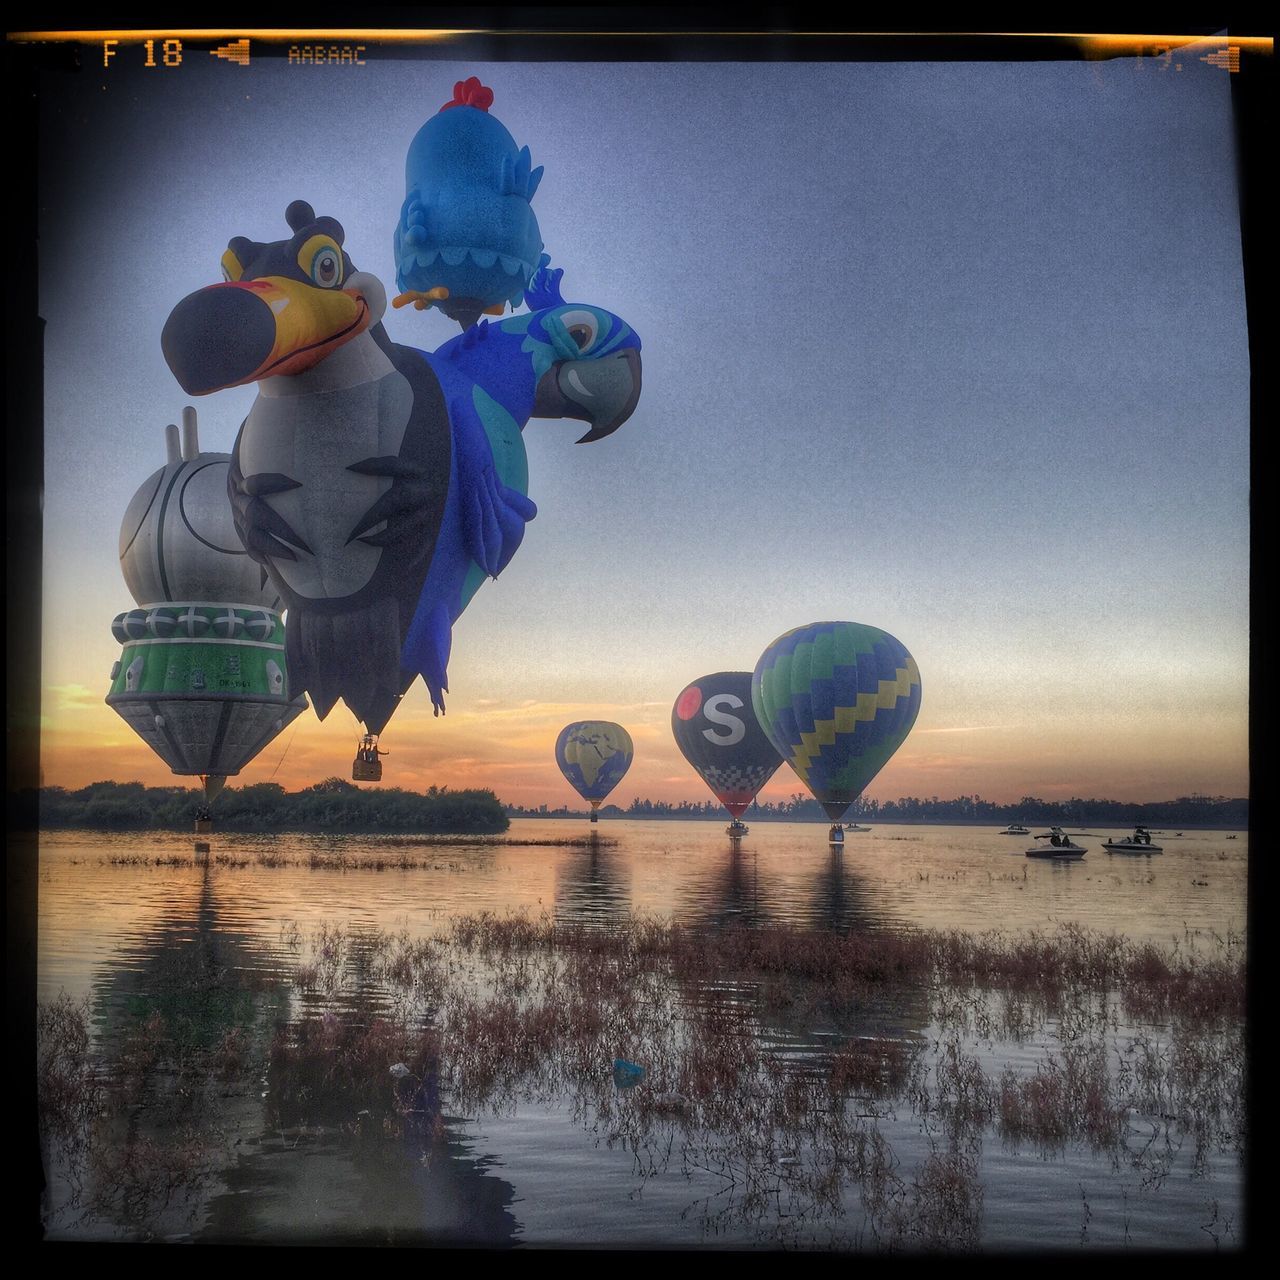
(712, 710)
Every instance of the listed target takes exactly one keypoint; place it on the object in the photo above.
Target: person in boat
(1141, 836)
(1056, 840)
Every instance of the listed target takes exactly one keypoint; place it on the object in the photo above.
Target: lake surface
(135, 923)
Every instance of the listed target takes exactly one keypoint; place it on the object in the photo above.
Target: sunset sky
(956, 350)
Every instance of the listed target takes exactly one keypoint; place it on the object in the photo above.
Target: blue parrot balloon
(376, 484)
(467, 241)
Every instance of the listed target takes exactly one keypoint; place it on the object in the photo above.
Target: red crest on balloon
(688, 703)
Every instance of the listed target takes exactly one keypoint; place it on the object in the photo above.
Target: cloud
(970, 728)
(72, 697)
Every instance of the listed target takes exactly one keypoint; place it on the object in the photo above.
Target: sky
(957, 350)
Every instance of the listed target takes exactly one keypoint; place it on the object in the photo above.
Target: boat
(1059, 846)
(1014, 829)
(1139, 842)
(853, 826)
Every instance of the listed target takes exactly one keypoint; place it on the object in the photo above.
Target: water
(216, 939)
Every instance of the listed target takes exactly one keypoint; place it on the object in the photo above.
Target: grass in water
(774, 1059)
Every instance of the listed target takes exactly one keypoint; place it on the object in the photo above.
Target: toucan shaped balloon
(837, 699)
(467, 241)
(716, 729)
(377, 484)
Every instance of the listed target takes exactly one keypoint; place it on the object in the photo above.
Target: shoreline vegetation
(1206, 812)
(1045, 1045)
(336, 805)
(333, 805)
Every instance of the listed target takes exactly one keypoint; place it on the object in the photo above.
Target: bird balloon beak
(230, 334)
(603, 393)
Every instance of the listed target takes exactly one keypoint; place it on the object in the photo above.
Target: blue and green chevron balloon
(837, 699)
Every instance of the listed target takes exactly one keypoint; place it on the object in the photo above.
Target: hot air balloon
(379, 485)
(202, 678)
(715, 727)
(467, 241)
(837, 699)
(593, 755)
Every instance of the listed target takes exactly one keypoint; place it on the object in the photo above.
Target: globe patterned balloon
(837, 699)
(593, 755)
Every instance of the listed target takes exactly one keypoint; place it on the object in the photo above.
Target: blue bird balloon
(376, 484)
(467, 241)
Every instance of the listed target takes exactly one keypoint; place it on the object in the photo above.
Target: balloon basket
(204, 826)
(366, 771)
(367, 766)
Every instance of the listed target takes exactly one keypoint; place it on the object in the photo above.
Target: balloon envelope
(593, 755)
(467, 227)
(715, 727)
(203, 683)
(837, 699)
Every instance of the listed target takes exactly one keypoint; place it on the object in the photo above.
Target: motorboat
(1060, 846)
(1139, 842)
(1014, 829)
(853, 826)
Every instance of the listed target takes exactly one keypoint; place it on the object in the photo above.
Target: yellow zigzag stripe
(868, 704)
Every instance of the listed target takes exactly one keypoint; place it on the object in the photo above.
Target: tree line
(1194, 810)
(332, 805)
(338, 805)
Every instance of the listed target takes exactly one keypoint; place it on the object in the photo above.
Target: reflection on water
(727, 889)
(840, 902)
(592, 885)
(190, 957)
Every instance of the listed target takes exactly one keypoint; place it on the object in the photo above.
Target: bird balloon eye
(582, 327)
(325, 259)
(327, 268)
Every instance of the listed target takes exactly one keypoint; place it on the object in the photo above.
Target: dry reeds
(497, 1010)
